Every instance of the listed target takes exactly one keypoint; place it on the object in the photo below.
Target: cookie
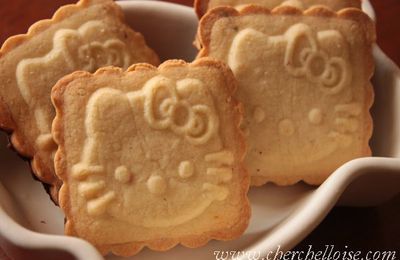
(151, 157)
(201, 6)
(85, 36)
(304, 80)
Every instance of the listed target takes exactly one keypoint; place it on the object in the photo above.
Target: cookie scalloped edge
(201, 6)
(132, 248)
(7, 124)
(368, 26)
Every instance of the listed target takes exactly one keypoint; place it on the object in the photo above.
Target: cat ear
(100, 111)
(245, 41)
(68, 43)
(301, 42)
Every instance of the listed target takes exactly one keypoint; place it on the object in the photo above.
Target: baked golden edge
(201, 6)
(368, 26)
(128, 249)
(39, 168)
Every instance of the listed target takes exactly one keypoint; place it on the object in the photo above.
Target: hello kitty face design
(73, 49)
(166, 148)
(330, 73)
(306, 65)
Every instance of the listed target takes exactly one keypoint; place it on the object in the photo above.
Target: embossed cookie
(304, 82)
(201, 6)
(85, 36)
(151, 157)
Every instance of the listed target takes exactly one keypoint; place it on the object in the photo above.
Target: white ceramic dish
(31, 226)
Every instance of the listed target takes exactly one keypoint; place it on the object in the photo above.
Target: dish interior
(170, 30)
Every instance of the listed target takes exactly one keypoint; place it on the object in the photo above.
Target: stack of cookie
(135, 157)
(139, 156)
(304, 81)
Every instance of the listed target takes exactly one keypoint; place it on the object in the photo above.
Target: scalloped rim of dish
(299, 224)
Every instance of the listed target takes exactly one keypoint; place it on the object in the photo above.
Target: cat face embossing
(139, 158)
(293, 118)
(72, 50)
(304, 58)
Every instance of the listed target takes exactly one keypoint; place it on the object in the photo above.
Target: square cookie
(85, 36)
(304, 80)
(151, 157)
(202, 6)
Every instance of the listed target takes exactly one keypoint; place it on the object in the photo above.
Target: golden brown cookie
(202, 6)
(151, 157)
(304, 80)
(85, 36)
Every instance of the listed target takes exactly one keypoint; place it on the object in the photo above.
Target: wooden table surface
(375, 228)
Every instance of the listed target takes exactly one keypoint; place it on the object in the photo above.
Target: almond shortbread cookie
(201, 6)
(85, 36)
(151, 157)
(304, 82)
